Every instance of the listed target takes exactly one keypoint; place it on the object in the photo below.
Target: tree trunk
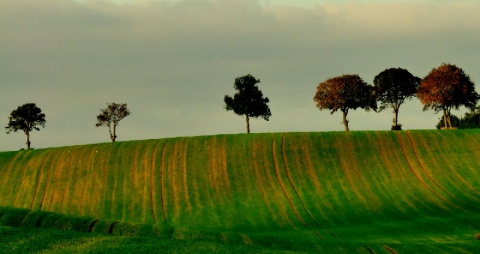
(112, 135)
(395, 118)
(345, 121)
(445, 125)
(248, 123)
(28, 140)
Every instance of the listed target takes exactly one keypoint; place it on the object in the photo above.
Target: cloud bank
(172, 62)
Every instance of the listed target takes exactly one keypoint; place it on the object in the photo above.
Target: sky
(173, 62)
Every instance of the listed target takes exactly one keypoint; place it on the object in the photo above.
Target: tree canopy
(392, 87)
(344, 93)
(445, 88)
(111, 116)
(26, 118)
(248, 100)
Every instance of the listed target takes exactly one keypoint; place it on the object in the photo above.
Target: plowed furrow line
(389, 249)
(162, 191)
(39, 176)
(418, 176)
(277, 173)
(152, 183)
(284, 157)
(423, 167)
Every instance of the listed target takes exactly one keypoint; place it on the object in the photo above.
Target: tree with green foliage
(249, 100)
(471, 120)
(445, 88)
(393, 86)
(111, 116)
(26, 118)
(344, 93)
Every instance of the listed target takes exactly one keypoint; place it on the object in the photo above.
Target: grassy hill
(371, 192)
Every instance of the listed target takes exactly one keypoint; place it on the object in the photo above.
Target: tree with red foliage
(344, 93)
(445, 88)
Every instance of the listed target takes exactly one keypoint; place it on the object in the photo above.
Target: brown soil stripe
(277, 173)
(389, 249)
(162, 191)
(284, 157)
(39, 176)
(416, 175)
(152, 182)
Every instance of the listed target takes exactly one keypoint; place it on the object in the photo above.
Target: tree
(471, 120)
(344, 93)
(26, 118)
(249, 100)
(456, 122)
(110, 117)
(445, 88)
(393, 86)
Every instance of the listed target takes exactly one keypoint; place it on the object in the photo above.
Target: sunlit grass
(412, 191)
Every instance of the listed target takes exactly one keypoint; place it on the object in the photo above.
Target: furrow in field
(152, 183)
(5, 175)
(277, 173)
(422, 166)
(389, 249)
(162, 186)
(24, 185)
(48, 182)
(39, 178)
(287, 171)
(419, 178)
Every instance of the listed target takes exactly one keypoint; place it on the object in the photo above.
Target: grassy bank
(360, 191)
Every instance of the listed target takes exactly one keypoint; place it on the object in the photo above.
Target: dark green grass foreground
(360, 192)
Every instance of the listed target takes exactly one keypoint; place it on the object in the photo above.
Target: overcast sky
(172, 62)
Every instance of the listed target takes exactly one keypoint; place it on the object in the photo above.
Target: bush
(396, 128)
(12, 217)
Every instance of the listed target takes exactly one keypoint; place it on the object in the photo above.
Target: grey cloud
(173, 62)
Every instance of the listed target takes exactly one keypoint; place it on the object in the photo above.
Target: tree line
(445, 88)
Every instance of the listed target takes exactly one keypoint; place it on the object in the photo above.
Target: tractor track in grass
(412, 169)
(389, 249)
(49, 179)
(287, 171)
(284, 157)
(162, 191)
(39, 175)
(152, 183)
(410, 140)
(277, 173)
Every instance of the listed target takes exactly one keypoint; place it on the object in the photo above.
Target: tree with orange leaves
(445, 88)
(344, 93)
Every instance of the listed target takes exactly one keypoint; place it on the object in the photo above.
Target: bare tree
(110, 117)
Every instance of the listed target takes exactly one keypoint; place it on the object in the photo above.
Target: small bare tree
(110, 117)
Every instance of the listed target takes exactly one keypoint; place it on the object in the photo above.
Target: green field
(340, 192)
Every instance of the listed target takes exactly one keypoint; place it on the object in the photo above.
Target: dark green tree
(111, 116)
(26, 118)
(249, 100)
(393, 86)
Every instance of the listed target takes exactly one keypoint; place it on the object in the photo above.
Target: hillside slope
(319, 182)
